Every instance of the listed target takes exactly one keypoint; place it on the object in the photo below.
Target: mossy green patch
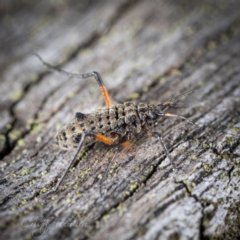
(24, 202)
(14, 134)
(188, 186)
(25, 172)
(78, 194)
(34, 78)
(205, 145)
(194, 157)
(82, 155)
(16, 159)
(44, 190)
(106, 217)
(17, 95)
(236, 173)
(223, 175)
(36, 128)
(24, 151)
(133, 96)
(232, 222)
(235, 130)
(84, 173)
(229, 142)
(142, 231)
(133, 186)
(21, 143)
(44, 172)
(207, 168)
(77, 211)
(2, 142)
(32, 182)
(211, 45)
(75, 185)
(70, 94)
(28, 236)
(121, 209)
(127, 193)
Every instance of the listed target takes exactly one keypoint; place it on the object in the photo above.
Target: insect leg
(97, 136)
(114, 139)
(122, 146)
(118, 149)
(159, 137)
(105, 174)
(70, 164)
(96, 75)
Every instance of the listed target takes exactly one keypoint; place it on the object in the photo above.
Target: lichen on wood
(146, 51)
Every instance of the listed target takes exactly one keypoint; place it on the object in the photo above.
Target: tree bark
(146, 51)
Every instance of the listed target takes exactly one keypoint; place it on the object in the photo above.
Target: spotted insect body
(121, 119)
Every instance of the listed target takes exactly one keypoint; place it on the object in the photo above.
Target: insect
(112, 123)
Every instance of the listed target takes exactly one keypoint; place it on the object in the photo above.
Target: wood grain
(146, 51)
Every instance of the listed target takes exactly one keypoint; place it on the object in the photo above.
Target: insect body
(112, 123)
(108, 125)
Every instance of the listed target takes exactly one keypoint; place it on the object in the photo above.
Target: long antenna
(165, 105)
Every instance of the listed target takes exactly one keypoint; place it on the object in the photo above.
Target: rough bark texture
(146, 51)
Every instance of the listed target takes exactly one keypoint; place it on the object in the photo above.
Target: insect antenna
(169, 103)
(176, 115)
(94, 74)
(61, 71)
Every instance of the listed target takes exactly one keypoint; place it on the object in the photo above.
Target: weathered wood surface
(146, 51)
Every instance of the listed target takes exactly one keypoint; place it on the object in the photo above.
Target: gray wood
(146, 51)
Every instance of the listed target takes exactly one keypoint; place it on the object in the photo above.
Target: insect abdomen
(113, 118)
(120, 118)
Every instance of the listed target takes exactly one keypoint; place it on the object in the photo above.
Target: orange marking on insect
(170, 115)
(149, 134)
(167, 103)
(103, 139)
(126, 144)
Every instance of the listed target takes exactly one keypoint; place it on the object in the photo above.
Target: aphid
(110, 124)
